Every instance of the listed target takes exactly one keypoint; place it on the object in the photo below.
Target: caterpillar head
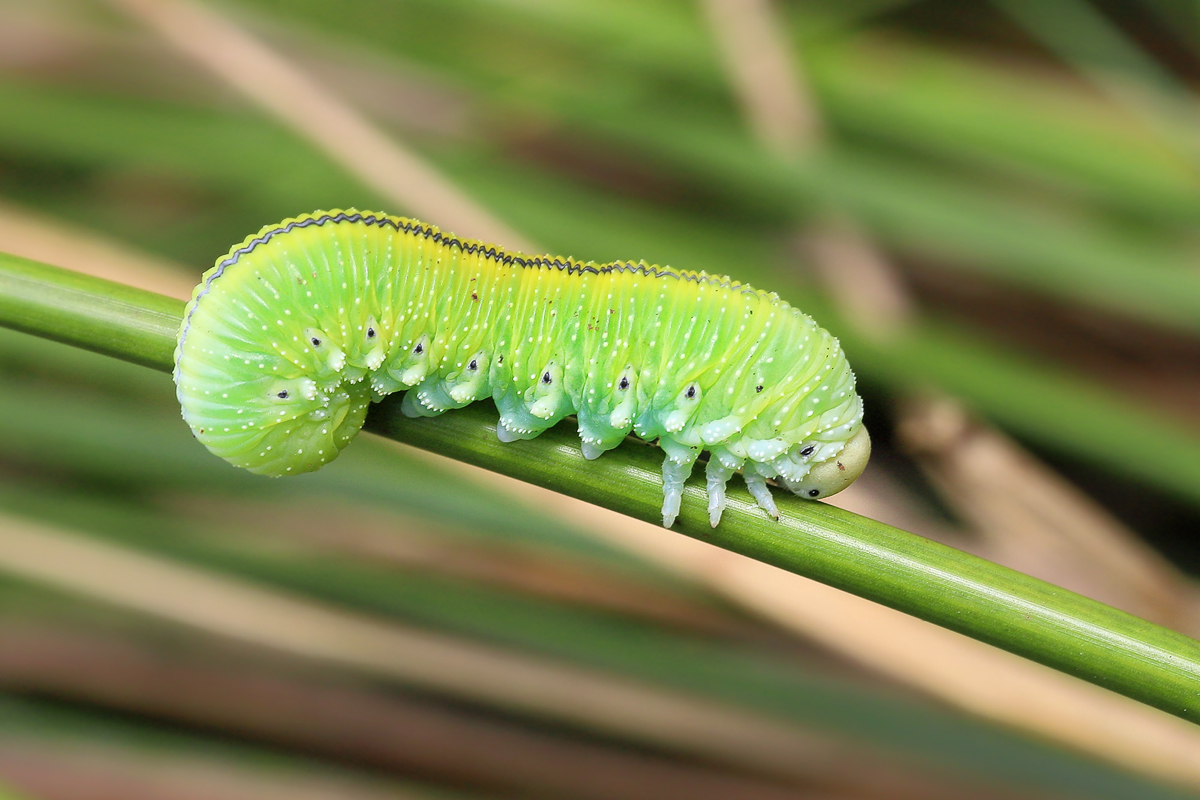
(830, 476)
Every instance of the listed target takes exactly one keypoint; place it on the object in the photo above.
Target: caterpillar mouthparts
(289, 338)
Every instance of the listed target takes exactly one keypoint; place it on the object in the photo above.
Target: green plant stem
(88, 312)
(950, 588)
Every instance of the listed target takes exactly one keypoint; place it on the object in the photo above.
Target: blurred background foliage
(993, 204)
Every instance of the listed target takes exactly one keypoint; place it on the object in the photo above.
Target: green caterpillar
(289, 337)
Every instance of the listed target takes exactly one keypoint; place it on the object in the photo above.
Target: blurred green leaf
(576, 109)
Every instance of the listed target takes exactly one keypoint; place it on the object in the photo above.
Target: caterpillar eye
(808, 451)
(283, 395)
(758, 388)
(315, 341)
(546, 377)
(624, 384)
(814, 492)
(691, 392)
(370, 333)
(474, 365)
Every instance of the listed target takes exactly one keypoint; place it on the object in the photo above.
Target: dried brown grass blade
(1035, 521)
(860, 278)
(957, 670)
(30, 235)
(60, 770)
(346, 723)
(276, 85)
(761, 64)
(435, 662)
(407, 543)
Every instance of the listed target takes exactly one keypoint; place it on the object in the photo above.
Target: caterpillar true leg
(717, 475)
(674, 475)
(757, 485)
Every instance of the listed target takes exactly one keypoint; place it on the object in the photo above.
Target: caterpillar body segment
(289, 337)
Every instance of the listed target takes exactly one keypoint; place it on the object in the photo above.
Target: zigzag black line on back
(466, 246)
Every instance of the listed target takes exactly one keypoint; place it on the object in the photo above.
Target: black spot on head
(474, 365)
(420, 348)
(758, 388)
(691, 391)
(315, 341)
(283, 394)
(370, 332)
(546, 377)
(624, 384)
(814, 492)
(808, 451)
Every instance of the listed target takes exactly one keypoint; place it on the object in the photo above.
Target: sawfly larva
(289, 338)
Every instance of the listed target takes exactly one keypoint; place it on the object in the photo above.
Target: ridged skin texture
(288, 339)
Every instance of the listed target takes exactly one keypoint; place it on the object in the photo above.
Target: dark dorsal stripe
(570, 266)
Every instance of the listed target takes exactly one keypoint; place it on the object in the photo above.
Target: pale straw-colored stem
(432, 661)
(276, 85)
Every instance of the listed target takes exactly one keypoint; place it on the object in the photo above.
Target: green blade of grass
(88, 312)
(1077, 32)
(8, 794)
(906, 572)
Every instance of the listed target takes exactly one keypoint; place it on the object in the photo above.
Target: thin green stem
(890, 566)
(88, 312)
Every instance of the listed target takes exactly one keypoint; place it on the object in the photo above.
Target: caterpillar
(289, 338)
